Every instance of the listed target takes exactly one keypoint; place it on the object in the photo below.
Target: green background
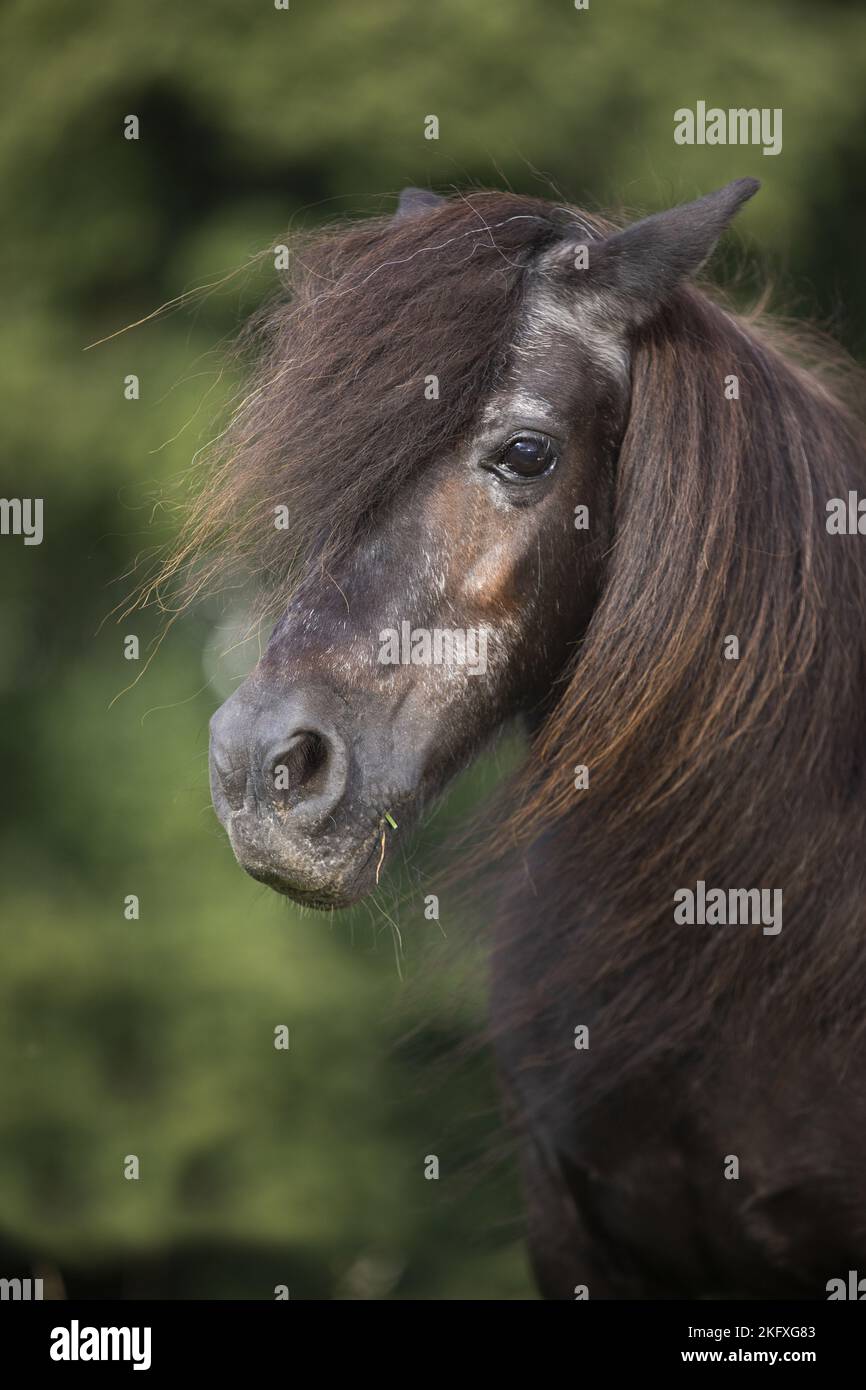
(155, 1037)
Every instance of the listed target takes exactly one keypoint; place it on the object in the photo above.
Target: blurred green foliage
(155, 1037)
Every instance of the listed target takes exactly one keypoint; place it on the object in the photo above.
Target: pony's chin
(320, 899)
(323, 886)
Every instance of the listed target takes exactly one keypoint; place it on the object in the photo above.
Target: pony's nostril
(286, 757)
(301, 770)
(301, 764)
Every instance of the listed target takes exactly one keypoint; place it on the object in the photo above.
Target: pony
(497, 417)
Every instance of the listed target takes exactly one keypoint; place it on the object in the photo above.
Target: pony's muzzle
(302, 787)
(283, 763)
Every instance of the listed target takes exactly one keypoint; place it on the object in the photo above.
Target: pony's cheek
(489, 582)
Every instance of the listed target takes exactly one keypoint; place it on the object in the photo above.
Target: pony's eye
(527, 456)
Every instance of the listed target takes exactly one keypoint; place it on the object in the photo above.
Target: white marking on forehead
(517, 402)
(580, 316)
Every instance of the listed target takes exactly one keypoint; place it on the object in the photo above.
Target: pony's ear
(414, 202)
(641, 265)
